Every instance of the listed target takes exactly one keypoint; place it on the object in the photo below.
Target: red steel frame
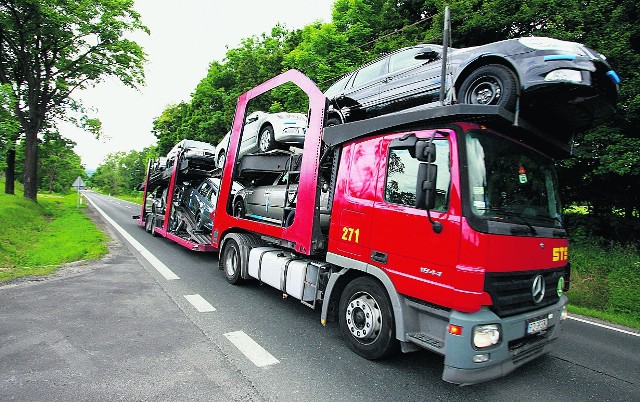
(299, 232)
(163, 231)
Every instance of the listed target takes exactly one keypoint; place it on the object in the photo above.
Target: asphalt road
(119, 329)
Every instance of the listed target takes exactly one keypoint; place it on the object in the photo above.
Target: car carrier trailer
(444, 232)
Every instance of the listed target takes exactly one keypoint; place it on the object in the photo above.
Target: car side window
(404, 59)
(369, 73)
(337, 87)
(402, 174)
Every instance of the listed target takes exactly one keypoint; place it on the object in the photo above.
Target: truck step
(426, 341)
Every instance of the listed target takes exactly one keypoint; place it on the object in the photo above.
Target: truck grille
(511, 291)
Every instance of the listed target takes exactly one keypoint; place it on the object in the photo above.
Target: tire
(490, 85)
(366, 319)
(266, 139)
(238, 208)
(222, 158)
(232, 262)
(333, 121)
(289, 221)
(153, 227)
(199, 220)
(148, 222)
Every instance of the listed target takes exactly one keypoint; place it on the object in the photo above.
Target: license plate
(537, 325)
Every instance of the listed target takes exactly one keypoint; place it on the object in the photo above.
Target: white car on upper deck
(264, 131)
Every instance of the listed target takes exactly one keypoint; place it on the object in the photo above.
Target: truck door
(403, 243)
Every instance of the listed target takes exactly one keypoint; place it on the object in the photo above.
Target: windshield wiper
(510, 212)
(556, 233)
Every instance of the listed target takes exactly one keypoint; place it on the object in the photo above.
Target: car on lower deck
(201, 199)
(275, 204)
(562, 82)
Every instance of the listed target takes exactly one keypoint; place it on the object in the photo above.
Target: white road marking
(199, 303)
(153, 260)
(254, 352)
(604, 326)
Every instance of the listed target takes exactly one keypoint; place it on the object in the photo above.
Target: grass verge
(37, 238)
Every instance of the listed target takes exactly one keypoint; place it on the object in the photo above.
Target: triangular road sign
(78, 184)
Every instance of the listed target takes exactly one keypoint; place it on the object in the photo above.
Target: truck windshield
(510, 183)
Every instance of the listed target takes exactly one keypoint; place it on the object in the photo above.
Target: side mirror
(425, 151)
(426, 186)
(427, 54)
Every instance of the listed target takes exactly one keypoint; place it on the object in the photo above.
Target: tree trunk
(10, 172)
(31, 164)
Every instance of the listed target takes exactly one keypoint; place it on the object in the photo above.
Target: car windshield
(511, 183)
(198, 145)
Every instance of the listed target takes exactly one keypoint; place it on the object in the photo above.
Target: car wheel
(266, 140)
(366, 319)
(333, 121)
(221, 160)
(153, 227)
(238, 208)
(199, 220)
(489, 85)
(232, 262)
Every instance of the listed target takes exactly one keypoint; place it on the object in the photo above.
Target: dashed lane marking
(250, 348)
(199, 303)
(153, 260)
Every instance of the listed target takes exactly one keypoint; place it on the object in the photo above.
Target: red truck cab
(487, 260)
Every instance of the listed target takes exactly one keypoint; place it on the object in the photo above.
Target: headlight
(485, 336)
(564, 75)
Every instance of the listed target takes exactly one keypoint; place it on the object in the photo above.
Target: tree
(58, 164)
(121, 173)
(9, 130)
(51, 48)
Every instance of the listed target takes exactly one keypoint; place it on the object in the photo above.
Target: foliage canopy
(51, 48)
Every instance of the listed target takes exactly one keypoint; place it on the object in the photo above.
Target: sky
(186, 36)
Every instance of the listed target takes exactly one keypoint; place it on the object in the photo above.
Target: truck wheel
(489, 85)
(366, 319)
(231, 262)
(266, 140)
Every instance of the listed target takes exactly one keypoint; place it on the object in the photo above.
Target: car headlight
(564, 74)
(485, 336)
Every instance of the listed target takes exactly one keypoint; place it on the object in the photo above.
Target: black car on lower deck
(564, 84)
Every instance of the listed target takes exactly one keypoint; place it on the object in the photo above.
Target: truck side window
(402, 172)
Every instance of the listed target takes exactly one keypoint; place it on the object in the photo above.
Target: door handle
(378, 256)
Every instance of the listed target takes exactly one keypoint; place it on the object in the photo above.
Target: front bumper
(515, 348)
